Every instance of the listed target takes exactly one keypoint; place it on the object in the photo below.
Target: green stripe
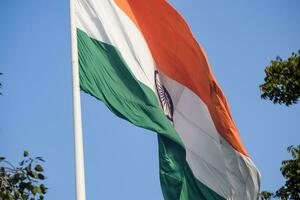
(105, 75)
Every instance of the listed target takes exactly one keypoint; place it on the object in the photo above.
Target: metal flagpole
(79, 157)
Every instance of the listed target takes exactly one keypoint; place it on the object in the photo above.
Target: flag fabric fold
(140, 58)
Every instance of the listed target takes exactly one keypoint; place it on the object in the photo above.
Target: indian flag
(139, 57)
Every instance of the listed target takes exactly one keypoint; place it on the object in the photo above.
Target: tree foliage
(282, 81)
(264, 195)
(290, 170)
(22, 182)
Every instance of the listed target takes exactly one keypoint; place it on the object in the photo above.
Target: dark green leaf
(40, 159)
(25, 153)
(39, 168)
(41, 176)
(33, 174)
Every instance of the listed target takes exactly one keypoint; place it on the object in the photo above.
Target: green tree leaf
(25, 153)
(21, 182)
(39, 168)
(282, 81)
(41, 176)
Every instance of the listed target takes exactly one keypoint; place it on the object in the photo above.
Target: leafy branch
(22, 182)
(282, 81)
(290, 170)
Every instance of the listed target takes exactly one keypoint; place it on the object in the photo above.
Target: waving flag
(140, 58)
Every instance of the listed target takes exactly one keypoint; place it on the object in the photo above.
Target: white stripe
(104, 21)
(213, 161)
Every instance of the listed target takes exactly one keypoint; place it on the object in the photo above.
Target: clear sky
(240, 39)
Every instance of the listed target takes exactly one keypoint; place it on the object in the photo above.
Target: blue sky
(240, 38)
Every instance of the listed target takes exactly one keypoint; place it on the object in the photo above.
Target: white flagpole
(79, 157)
